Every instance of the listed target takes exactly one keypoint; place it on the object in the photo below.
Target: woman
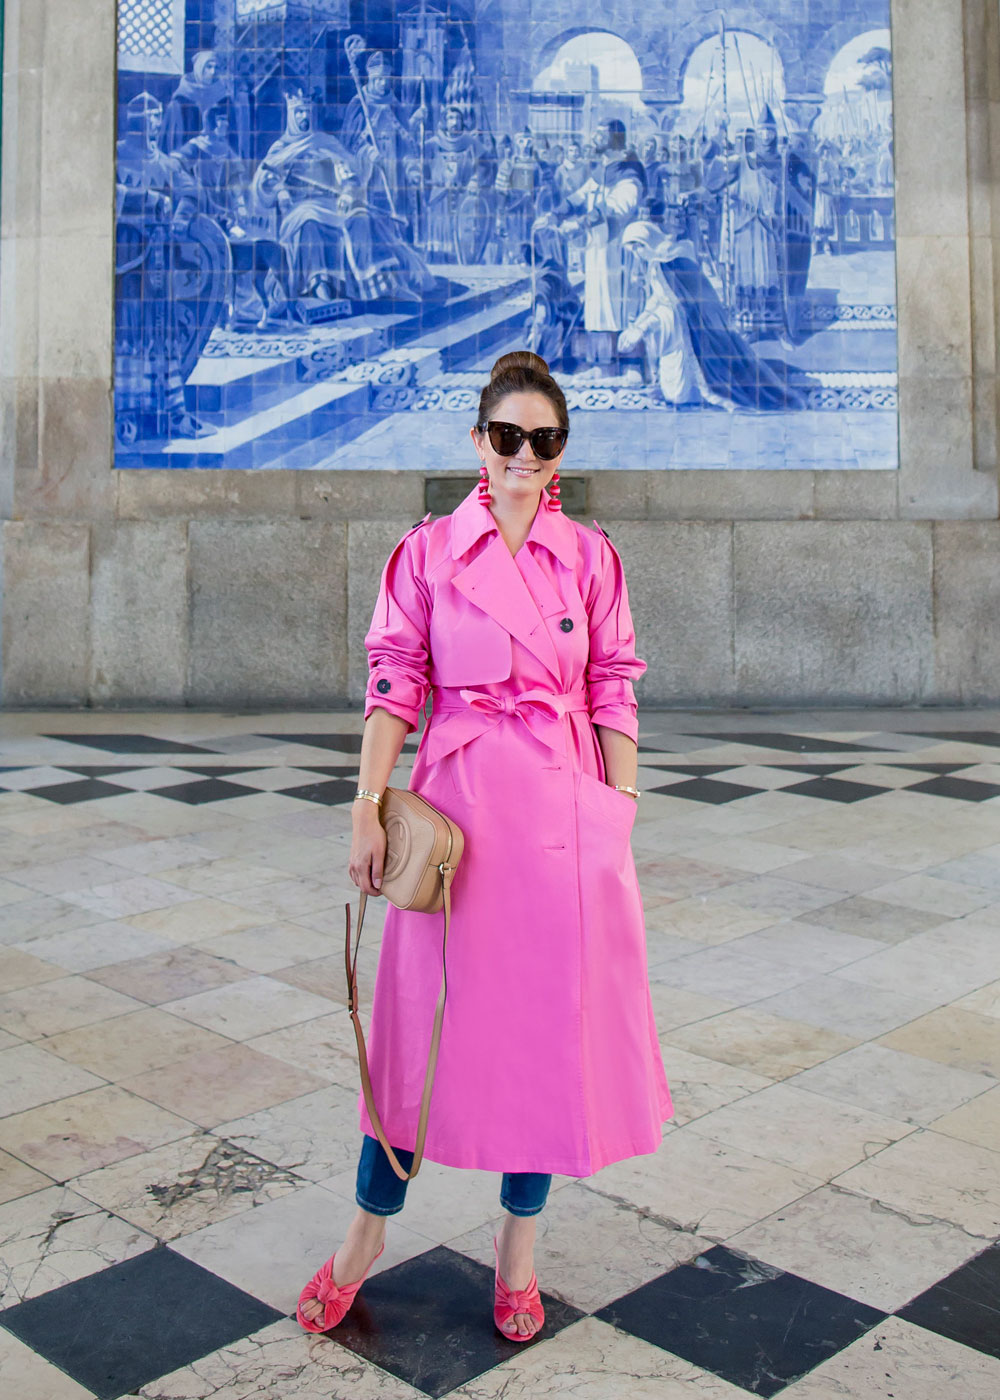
(516, 620)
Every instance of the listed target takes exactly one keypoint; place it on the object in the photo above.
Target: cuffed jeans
(382, 1192)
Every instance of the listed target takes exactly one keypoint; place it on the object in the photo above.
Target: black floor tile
(794, 743)
(329, 793)
(218, 770)
(964, 789)
(835, 790)
(129, 743)
(935, 767)
(747, 1322)
(344, 743)
(693, 770)
(815, 770)
(101, 770)
(205, 790)
(706, 790)
(117, 1330)
(84, 790)
(429, 1321)
(965, 1306)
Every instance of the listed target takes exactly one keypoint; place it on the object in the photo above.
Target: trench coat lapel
(493, 583)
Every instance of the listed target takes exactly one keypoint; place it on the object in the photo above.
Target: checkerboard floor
(178, 1133)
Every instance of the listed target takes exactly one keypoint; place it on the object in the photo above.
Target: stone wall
(244, 588)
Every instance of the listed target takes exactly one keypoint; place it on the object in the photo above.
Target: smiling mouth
(524, 471)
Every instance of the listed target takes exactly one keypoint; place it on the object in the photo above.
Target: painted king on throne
(337, 242)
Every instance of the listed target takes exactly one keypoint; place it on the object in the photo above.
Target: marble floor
(178, 1129)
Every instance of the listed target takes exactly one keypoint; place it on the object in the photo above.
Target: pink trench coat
(549, 1060)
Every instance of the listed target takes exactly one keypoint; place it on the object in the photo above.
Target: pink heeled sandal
(508, 1301)
(335, 1297)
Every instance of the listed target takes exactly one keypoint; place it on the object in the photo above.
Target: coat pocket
(468, 648)
(616, 808)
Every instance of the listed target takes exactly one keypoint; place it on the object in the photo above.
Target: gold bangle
(632, 792)
(368, 796)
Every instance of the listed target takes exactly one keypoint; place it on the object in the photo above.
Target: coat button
(566, 625)
(383, 687)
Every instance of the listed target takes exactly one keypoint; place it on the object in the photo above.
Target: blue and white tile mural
(333, 215)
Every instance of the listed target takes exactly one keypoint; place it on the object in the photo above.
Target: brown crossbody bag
(423, 848)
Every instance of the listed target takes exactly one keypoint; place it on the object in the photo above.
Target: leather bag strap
(447, 872)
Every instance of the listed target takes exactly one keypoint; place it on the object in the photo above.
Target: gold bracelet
(632, 792)
(369, 796)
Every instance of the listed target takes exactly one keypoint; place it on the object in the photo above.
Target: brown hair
(521, 372)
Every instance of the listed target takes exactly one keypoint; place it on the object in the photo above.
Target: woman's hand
(367, 858)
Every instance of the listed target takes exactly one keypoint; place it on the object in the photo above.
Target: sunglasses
(506, 439)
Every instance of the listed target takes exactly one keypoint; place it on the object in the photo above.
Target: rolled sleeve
(613, 664)
(397, 641)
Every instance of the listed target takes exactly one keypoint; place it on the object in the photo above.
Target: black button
(383, 687)
(567, 624)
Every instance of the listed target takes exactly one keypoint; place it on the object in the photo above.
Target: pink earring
(484, 484)
(554, 502)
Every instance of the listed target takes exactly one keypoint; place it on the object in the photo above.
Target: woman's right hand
(367, 859)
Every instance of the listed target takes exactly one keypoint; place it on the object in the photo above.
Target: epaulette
(604, 532)
(417, 523)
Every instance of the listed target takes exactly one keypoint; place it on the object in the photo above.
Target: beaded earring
(554, 502)
(484, 485)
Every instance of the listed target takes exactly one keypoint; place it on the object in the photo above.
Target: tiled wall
(331, 217)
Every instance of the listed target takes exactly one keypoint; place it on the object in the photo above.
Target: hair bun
(520, 359)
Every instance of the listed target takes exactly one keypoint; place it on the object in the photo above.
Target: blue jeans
(382, 1192)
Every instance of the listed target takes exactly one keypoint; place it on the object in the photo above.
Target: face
(573, 151)
(522, 477)
(210, 70)
(378, 81)
(601, 139)
(222, 127)
(453, 121)
(767, 138)
(648, 149)
(299, 115)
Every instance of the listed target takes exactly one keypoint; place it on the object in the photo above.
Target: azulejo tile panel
(331, 219)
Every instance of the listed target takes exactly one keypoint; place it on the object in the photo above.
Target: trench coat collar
(493, 582)
(471, 520)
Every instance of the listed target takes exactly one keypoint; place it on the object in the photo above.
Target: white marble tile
(273, 1251)
(898, 1361)
(858, 1247)
(32, 1012)
(731, 975)
(43, 914)
(702, 1187)
(27, 1376)
(937, 1176)
(157, 853)
(767, 894)
(957, 959)
(30, 1076)
(986, 1001)
(590, 1360)
(325, 1046)
(269, 947)
(55, 877)
(134, 895)
(186, 1185)
(802, 944)
(97, 945)
(850, 1008)
(54, 1237)
(303, 1367)
(903, 1086)
(699, 1085)
(589, 1250)
(834, 872)
(800, 1130)
(977, 1121)
(250, 1007)
(283, 899)
(933, 896)
(316, 1136)
(222, 876)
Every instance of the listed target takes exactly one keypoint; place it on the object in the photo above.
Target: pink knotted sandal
(335, 1297)
(508, 1301)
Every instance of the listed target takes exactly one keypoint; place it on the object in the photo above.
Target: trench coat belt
(459, 717)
